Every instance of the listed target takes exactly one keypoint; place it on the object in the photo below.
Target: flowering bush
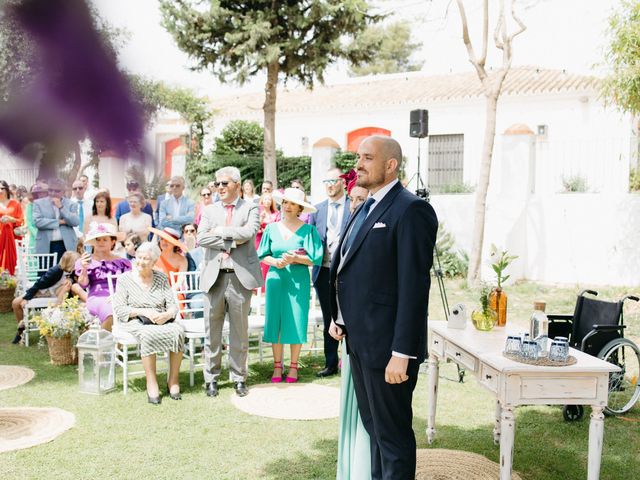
(7, 280)
(69, 318)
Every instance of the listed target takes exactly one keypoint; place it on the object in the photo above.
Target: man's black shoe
(212, 389)
(327, 372)
(241, 389)
(18, 337)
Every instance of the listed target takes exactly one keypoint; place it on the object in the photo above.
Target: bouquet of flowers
(69, 318)
(7, 281)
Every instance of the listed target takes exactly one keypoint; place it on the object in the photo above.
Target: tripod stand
(423, 192)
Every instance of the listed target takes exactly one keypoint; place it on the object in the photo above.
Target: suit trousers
(58, 248)
(227, 295)
(387, 416)
(323, 290)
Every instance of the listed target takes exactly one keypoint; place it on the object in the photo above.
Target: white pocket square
(379, 225)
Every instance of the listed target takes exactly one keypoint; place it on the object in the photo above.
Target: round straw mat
(441, 464)
(14, 376)
(27, 426)
(291, 402)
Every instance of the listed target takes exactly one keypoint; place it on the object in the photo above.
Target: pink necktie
(227, 222)
(229, 218)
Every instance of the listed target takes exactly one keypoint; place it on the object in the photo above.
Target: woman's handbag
(147, 321)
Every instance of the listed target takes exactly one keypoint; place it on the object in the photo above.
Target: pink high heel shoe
(292, 379)
(275, 379)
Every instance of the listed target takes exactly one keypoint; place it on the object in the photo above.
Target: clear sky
(563, 34)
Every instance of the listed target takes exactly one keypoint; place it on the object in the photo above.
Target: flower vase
(498, 303)
(61, 350)
(484, 321)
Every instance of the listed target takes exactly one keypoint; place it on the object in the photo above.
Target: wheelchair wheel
(624, 386)
(572, 413)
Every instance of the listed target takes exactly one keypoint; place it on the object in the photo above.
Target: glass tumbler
(513, 345)
(530, 349)
(559, 351)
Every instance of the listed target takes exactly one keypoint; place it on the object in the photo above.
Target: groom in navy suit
(330, 220)
(380, 292)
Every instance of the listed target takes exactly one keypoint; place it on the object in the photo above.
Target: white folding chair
(32, 266)
(316, 325)
(124, 343)
(188, 296)
(256, 323)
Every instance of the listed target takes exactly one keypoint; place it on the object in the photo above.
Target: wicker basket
(6, 297)
(62, 351)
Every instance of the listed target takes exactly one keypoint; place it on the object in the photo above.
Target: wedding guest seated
(144, 306)
(55, 282)
(131, 244)
(173, 253)
(92, 270)
(189, 232)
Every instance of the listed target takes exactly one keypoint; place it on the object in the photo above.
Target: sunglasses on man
(330, 181)
(189, 230)
(76, 189)
(174, 185)
(224, 184)
(205, 194)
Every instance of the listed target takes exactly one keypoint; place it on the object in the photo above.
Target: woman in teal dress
(289, 247)
(354, 447)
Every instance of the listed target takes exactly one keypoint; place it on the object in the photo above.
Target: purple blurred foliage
(79, 90)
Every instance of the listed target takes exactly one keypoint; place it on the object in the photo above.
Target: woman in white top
(136, 221)
(249, 191)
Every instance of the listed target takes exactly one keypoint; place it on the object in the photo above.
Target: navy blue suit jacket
(319, 219)
(383, 284)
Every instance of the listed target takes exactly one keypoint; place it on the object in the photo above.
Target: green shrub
(575, 183)
(634, 180)
(345, 161)
(453, 263)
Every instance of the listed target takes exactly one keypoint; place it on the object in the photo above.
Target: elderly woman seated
(144, 306)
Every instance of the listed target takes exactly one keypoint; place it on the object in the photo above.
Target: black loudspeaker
(419, 123)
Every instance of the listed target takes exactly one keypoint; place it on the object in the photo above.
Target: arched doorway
(355, 137)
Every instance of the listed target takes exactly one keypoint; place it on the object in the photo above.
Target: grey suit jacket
(44, 218)
(238, 239)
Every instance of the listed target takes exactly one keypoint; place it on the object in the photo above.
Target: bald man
(380, 292)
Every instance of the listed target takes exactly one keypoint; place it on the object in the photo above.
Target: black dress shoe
(241, 389)
(154, 400)
(212, 389)
(174, 396)
(327, 372)
(18, 337)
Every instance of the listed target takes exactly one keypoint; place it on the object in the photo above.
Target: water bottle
(539, 327)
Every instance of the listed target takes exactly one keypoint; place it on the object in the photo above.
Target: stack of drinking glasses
(522, 346)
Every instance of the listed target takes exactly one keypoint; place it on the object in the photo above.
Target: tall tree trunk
(269, 109)
(77, 162)
(482, 188)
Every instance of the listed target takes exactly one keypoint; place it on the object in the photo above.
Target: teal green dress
(288, 289)
(354, 447)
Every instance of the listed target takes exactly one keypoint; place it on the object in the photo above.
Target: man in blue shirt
(176, 210)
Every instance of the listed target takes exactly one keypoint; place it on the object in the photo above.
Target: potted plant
(497, 296)
(61, 325)
(7, 290)
(486, 318)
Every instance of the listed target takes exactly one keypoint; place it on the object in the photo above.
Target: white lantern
(96, 361)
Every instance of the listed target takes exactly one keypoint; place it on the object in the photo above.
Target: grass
(124, 437)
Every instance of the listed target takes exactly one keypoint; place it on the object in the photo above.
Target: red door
(169, 147)
(355, 137)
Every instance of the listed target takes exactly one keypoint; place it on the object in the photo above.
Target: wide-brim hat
(293, 195)
(170, 235)
(103, 230)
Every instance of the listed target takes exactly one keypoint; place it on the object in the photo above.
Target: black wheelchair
(597, 328)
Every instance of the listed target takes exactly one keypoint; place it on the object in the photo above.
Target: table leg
(432, 397)
(496, 425)
(508, 430)
(596, 434)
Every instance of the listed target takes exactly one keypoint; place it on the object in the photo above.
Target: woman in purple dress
(92, 271)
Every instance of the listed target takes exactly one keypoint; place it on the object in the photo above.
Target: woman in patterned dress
(144, 306)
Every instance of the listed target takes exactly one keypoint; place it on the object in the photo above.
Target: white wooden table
(514, 383)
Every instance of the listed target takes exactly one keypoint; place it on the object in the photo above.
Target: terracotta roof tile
(402, 89)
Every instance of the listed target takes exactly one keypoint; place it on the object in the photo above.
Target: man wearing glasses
(330, 220)
(123, 207)
(55, 218)
(176, 210)
(230, 273)
(84, 205)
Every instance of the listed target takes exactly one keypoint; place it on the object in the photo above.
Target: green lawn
(124, 437)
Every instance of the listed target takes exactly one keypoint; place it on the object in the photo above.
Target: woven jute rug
(441, 464)
(26, 427)
(291, 402)
(13, 376)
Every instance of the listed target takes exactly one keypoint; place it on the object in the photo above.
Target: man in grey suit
(54, 217)
(230, 272)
